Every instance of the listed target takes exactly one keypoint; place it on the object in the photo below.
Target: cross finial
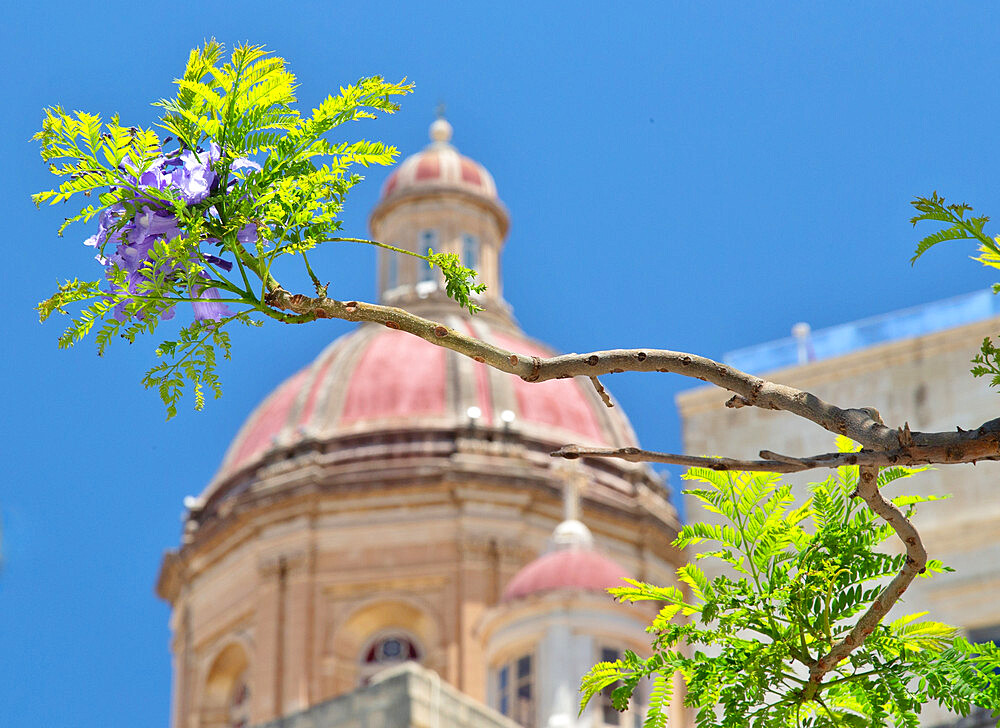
(571, 496)
(439, 110)
(441, 129)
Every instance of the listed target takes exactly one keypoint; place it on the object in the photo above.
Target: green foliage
(459, 280)
(279, 185)
(960, 227)
(193, 360)
(797, 580)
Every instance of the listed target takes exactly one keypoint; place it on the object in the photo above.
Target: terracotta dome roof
(377, 379)
(440, 166)
(572, 568)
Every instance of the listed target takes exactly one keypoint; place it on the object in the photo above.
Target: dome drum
(495, 459)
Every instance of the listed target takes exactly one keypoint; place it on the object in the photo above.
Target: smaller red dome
(571, 568)
(440, 166)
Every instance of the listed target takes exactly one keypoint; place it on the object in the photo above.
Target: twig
(605, 397)
(772, 462)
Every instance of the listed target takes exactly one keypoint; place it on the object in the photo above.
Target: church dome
(580, 569)
(440, 166)
(439, 170)
(571, 564)
(378, 386)
(380, 380)
(377, 502)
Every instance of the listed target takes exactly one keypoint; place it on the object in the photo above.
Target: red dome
(377, 379)
(440, 166)
(572, 568)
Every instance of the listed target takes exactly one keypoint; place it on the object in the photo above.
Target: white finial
(441, 131)
(572, 534)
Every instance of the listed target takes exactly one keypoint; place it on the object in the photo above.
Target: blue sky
(694, 176)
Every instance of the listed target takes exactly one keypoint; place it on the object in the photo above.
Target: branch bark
(916, 561)
(895, 447)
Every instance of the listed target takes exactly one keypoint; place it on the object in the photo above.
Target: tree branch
(916, 560)
(908, 448)
(773, 462)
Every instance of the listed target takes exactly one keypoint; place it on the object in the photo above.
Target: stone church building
(387, 541)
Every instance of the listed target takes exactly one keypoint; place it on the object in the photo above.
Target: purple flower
(244, 163)
(133, 254)
(105, 221)
(153, 224)
(133, 283)
(248, 234)
(219, 262)
(190, 175)
(208, 310)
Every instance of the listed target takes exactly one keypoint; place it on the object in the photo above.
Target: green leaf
(919, 636)
(696, 579)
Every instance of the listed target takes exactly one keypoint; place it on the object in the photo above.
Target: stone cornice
(171, 578)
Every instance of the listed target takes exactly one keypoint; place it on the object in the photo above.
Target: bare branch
(916, 561)
(773, 462)
(909, 448)
(637, 455)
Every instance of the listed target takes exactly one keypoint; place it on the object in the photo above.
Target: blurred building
(388, 542)
(913, 366)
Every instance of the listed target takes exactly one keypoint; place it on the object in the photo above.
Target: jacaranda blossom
(190, 175)
(208, 310)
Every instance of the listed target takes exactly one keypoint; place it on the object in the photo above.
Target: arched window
(226, 698)
(387, 649)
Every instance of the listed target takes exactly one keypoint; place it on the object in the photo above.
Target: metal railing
(808, 346)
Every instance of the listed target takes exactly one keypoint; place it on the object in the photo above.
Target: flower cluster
(191, 177)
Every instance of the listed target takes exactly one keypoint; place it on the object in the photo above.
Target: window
(428, 239)
(985, 634)
(470, 251)
(226, 694)
(385, 650)
(515, 696)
